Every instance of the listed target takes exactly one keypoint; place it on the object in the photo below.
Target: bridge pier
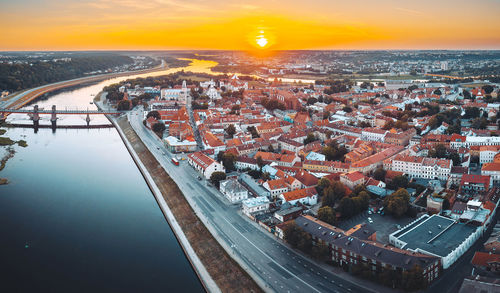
(53, 118)
(88, 119)
(36, 116)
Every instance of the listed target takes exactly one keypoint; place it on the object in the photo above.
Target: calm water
(77, 215)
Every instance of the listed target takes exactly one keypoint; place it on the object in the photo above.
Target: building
(437, 236)
(487, 153)
(493, 171)
(174, 145)
(471, 183)
(252, 186)
(233, 190)
(352, 179)
(456, 174)
(276, 187)
(307, 196)
(287, 212)
(374, 134)
(421, 167)
(458, 141)
(350, 250)
(204, 164)
(255, 205)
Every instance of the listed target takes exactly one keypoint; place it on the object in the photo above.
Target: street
(279, 267)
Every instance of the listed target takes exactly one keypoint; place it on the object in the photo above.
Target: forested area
(15, 77)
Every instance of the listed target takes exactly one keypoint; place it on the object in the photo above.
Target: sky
(239, 25)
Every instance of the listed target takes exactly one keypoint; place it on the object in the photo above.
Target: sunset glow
(173, 24)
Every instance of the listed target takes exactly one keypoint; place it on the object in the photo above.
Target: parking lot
(384, 225)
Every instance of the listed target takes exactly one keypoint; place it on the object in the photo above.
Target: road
(279, 267)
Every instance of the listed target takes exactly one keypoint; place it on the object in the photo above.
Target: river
(77, 216)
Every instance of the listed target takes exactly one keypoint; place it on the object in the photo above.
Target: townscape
(394, 182)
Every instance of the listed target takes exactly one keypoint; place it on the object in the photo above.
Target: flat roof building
(438, 236)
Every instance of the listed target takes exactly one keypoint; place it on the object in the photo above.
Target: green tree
(154, 114)
(327, 215)
(455, 157)
(260, 162)
(379, 174)
(400, 181)
(159, 128)
(321, 251)
(439, 151)
(310, 138)
(228, 160)
(398, 202)
(217, 177)
(123, 105)
(231, 130)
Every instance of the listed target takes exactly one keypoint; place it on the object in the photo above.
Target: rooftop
(436, 235)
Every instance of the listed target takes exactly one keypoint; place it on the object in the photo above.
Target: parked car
(370, 212)
(370, 220)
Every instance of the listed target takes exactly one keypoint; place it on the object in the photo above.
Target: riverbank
(225, 272)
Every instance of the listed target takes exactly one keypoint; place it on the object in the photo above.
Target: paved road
(280, 267)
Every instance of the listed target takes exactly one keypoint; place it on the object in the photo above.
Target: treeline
(15, 77)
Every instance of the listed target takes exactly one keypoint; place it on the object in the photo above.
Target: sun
(262, 41)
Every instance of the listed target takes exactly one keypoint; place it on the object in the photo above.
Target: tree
(228, 160)
(327, 215)
(455, 157)
(323, 183)
(217, 177)
(231, 130)
(472, 112)
(321, 251)
(154, 114)
(488, 89)
(253, 131)
(347, 109)
(310, 138)
(438, 152)
(332, 193)
(123, 105)
(235, 109)
(379, 174)
(159, 128)
(398, 202)
(260, 162)
(397, 182)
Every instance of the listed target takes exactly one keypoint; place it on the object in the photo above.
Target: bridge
(36, 112)
(62, 112)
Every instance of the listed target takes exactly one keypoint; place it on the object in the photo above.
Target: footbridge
(54, 112)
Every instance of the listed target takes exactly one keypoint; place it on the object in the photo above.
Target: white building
(307, 196)
(233, 190)
(204, 164)
(437, 236)
(213, 94)
(178, 95)
(375, 134)
(468, 141)
(487, 153)
(420, 167)
(255, 205)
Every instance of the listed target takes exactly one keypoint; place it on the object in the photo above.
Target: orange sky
(217, 24)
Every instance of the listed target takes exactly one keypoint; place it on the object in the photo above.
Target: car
(370, 220)
(199, 177)
(370, 212)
